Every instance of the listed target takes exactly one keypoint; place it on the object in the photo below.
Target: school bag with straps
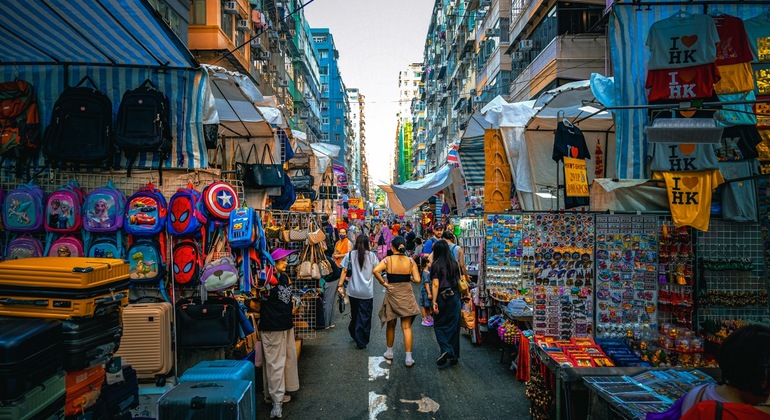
(80, 130)
(144, 125)
(220, 273)
(145, 213)
(66, 246)
(187, 263)
(19, 122)
(63, 214)
(23, 208)
(25, 246)
(185, 215)
(103, 221)
(147, 261)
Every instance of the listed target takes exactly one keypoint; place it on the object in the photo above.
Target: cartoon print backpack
(25, 246)
(220, 199)
(147, 263)
(66, 246)
(145, 212)
(219, 274)
(187, 263)
(23, 208)
(105, 247)
(103, 209)
(242, 232)
(186, 215)
(63, 212)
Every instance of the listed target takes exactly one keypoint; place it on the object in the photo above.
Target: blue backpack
(145, 213)
(105, 247)
(147, 261)
(242, 232)
(186, 215)
(25, 246)
(23, 208)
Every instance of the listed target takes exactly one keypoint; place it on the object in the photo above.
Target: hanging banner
(339, 172)
(575, 177)
(354, 202)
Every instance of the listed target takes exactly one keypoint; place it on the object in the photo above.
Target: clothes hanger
(682, 14)
(564, 120)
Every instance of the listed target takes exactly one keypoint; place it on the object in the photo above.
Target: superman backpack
(23, 208)
(187, 263)
(147, 261)
(186, 216)
(145, 212)
(242, 232)
(66, 246)
(25, 246)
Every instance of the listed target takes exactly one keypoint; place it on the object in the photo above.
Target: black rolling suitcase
(30, 353)
(90, 341)
(118, 398)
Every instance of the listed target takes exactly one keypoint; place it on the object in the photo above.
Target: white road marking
(424, 405)
(375, 371)
(377, 404)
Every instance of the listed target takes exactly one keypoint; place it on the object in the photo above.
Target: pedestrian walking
(342, 247)
(426, 303)
(399, 301)
(276, 330)
(359, 262)
(444, 274)
(330, 284)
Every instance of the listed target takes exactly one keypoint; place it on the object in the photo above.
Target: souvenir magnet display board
(626, 274)
(563, 271)
(505, 234)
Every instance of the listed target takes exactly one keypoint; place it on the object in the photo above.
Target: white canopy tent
(235, 95)
(405, 197)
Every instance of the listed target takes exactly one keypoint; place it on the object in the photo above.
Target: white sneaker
(276, 413)
(388, 355)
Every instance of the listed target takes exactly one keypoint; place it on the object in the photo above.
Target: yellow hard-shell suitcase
(61, 288)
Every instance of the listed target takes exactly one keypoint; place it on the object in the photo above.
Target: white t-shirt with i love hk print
(682, 41)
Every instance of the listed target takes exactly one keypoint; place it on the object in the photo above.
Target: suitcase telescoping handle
(30, 302)
(82, 269)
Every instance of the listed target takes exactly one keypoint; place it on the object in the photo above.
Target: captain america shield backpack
(219, 199)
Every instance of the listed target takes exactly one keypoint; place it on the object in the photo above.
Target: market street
(339, 381)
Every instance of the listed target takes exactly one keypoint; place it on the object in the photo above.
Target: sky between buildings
(376, 39)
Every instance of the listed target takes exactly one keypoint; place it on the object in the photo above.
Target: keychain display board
(505, 235)
(626, 274)
(676, 268)
(470, 238)
(732, 280)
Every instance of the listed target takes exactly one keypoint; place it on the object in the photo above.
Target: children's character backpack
(66, 246)
(219, 274)
(143, 124)
(105, 247)
(242, 232)
(103, 209)
(63, 210)
(145, 212)
(25, 246)
(147, 261)
(220, 199)
(186, 215)
(23, 208)
(187, 263)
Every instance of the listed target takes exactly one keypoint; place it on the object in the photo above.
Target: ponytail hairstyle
(362, 245)
(399, 244)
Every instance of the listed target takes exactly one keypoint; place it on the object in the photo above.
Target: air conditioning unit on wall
(230, 7)
(517, 56)
(492, 32)
(243, 25)
(525, 45)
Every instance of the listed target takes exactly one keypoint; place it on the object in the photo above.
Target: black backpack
(81, 127)
(143, 124)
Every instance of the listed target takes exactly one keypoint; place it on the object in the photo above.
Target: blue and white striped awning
(126, 33)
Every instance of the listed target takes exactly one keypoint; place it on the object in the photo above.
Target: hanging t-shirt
(734, 78)
(758, 33)
(682, 40)
(761, 78)
(689, 196)
(733, 46)
(762, 111)
(569, 141)
(739, 198)
(739, 142)
(683, 84)
(736, 114)
(682, 157)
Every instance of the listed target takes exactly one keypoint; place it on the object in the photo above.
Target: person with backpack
(438, 231)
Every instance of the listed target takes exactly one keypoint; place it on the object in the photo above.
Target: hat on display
(280, 253)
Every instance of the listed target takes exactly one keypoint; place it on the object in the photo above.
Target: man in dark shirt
(409, 236)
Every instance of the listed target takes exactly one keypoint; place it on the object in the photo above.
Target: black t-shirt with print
(275, 312)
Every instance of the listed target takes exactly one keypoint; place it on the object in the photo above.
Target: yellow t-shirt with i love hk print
(689, 196)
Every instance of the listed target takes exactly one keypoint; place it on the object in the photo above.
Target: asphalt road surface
(338, 381)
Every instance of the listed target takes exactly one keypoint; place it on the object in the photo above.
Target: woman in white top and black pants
(360, 262)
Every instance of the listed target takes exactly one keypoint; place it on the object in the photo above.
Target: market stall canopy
(324, 153)
(404, 197)
(567, 101)
(89, 32)
(471, 150)
(270, 108)
(235, 95)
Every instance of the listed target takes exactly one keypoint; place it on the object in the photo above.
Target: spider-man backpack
(187, 263)
(186, 215)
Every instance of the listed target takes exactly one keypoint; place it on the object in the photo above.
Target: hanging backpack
(145, 212)
(187, 263)
(19, 122)
(219, 272)
(25, 246)
(219, 199)
(23, 208)
(144, 124)
(242, 232)
(103, 209)
(105, 247)
(63, 210)
(147, 262)
(66, 246)
(81, 126)
(186, 216)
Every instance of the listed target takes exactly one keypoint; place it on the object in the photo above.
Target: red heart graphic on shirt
(689, 40)
(687, 148)
(573, 151)
(687, 75)
(690, 182)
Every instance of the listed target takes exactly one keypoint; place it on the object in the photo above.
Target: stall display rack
(470, 239)
(626, 274)
(676, 270)
(505, 242)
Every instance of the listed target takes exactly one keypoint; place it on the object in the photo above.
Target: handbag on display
(302, 204)
(303, 181)
(243, 169)
(297, 235)
(317, 235)
(268, 174)
(301, 160)
(285, 235)
(210, 324)
(328, 191)
(308, 269)
(272, 231)
(323, 264)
